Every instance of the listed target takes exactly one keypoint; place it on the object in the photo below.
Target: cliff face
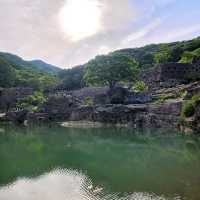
(161, 107)
(170, 75)
(165, 115)
(163, 110)
(138, 116)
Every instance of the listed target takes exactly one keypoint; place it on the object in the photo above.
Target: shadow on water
(126, 163)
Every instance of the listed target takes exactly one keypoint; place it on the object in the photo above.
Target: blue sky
(70, 32)
(165, 21)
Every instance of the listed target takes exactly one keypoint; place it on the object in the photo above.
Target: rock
(170, 107)
(16, 116)
(196, 60)
(140, 116)
(90, 92)
(138, 98)
(10, 96)
(193, 89)
(117, 95)
(2, 116)
(101, 99)
(194, 123)
(118, 114)
(82, 124)
(82, 113)
(165, 115)
(59, 107)
(170, 74)
(37, 117)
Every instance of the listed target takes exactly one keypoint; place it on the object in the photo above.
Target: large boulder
(117, 95)
(98, 95)
(101, 99)
(118, 114)
(138, 98)
(82, 113)
(164, 115)
(16, 116)
(192, 89)
(37, 117)
(59, 107)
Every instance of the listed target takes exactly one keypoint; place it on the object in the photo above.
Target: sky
(67, 33)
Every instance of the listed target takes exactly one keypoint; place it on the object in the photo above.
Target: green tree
(32, 103)
(34, 79)
(163, 55)
(176, 53)
(7, 74)
(111, 69)
(72, 78)
(188, 56)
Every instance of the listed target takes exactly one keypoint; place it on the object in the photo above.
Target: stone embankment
(161, 109)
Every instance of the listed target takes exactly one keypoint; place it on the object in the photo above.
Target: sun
(80, 18)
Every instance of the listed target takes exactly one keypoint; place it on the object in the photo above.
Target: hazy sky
(70, 32)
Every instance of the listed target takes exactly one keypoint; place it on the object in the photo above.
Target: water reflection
(114, 163)
(64, 185)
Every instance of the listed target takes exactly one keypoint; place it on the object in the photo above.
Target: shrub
(195, 99)
(88, 101)
(139, 86)
(181, 94)
(188, 109)
(188, 56)
(32, 102)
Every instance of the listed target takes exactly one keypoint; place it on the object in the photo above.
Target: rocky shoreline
(164, 115)
(161, 105)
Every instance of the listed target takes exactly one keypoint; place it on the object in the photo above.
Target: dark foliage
(72, 78)
(15, 73)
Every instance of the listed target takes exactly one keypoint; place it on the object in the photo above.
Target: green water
(57, 163)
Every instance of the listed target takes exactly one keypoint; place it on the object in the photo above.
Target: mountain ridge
(36, 64)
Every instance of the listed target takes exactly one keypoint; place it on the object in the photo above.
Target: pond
(57, 163)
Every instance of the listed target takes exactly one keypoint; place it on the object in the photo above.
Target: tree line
(121, 66)
(124, 65)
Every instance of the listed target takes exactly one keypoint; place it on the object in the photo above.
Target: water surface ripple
(51, 162)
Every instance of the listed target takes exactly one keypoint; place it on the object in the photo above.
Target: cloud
(32, 29)
(143, 32)
(181, 33)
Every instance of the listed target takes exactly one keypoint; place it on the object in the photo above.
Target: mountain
(37, 65)
(147, 57)
(45, 67)
(152, 54)
(16, 72)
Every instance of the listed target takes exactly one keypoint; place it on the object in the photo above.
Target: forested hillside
(38, 65)
(167, 52)
(16, 72)
(146, 57)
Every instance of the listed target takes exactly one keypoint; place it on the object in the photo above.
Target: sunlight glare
(80, 18)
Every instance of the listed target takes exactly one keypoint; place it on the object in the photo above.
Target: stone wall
(178, 71)
(170, 75)
(151, 77)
